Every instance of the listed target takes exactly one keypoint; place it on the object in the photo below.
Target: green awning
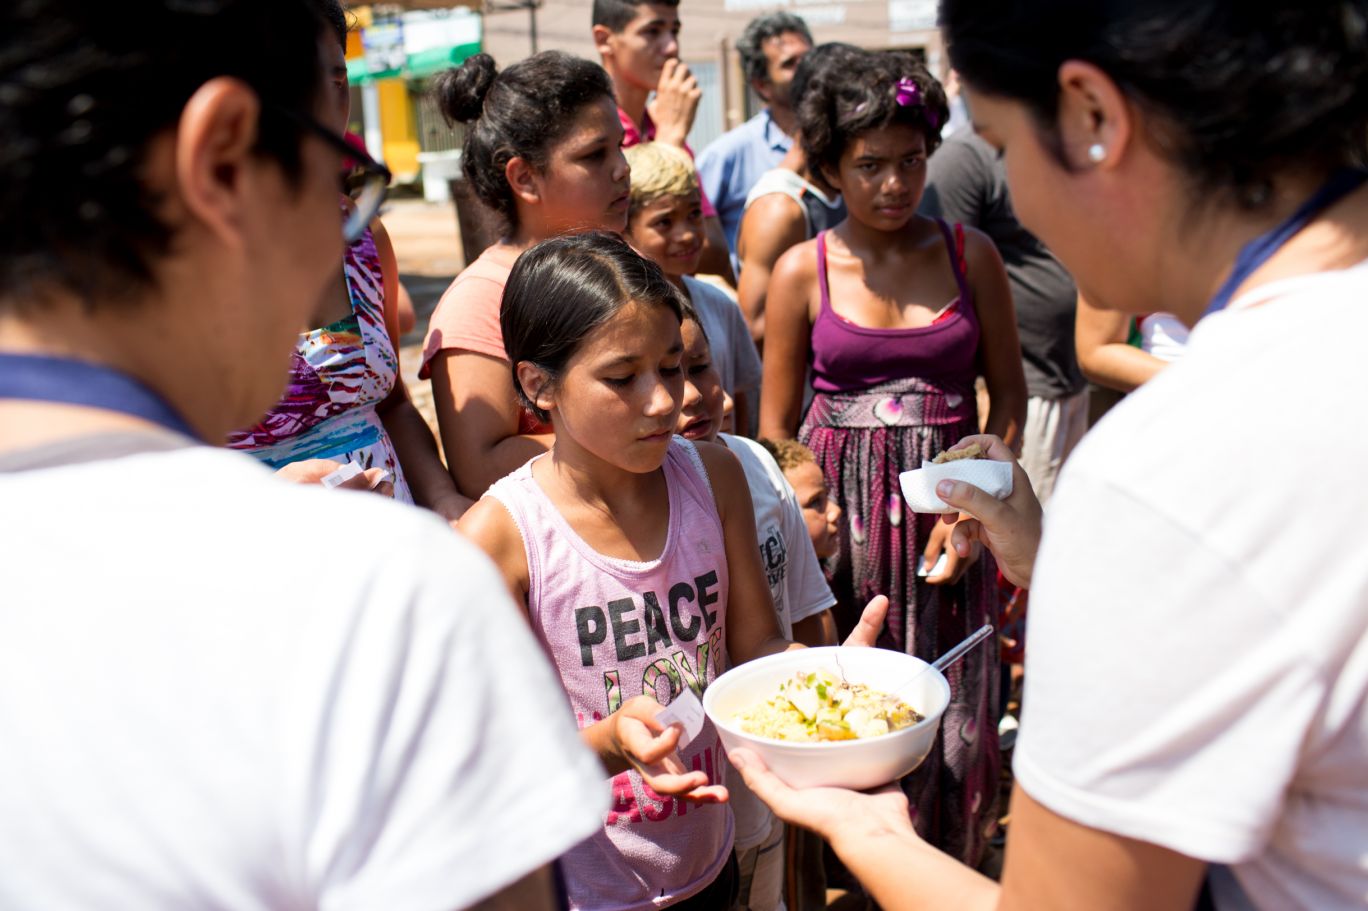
(417, 66)
(434, 60)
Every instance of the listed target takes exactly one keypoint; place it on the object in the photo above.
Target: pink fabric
(615, 629)
(467, 318)
(632, 136)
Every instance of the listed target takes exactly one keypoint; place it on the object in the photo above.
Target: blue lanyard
(41, 378)
(1261, 249)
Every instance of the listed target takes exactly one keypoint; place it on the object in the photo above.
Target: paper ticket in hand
(342, 475)
(348, 471)
(923, 570)
(685, 710)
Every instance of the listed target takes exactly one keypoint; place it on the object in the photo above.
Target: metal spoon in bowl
(944, 661)
(959, 651)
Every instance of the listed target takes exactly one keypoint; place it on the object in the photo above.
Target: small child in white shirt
(801, 596)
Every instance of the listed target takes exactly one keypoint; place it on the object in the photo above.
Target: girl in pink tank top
(635, 553)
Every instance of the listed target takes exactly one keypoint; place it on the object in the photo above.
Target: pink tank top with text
(616, 629)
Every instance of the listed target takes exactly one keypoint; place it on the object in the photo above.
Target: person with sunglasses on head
(346, 401)
(211, 697)
(1195, 718)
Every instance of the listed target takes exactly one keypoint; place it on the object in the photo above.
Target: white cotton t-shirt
(1162, 335)
(1198, 670)
(219, 690)
(797, 586)
(734, 353)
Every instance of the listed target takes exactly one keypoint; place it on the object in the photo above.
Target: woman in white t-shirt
(1195, 726)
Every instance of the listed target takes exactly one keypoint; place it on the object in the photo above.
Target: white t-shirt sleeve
(437, 763)
(1190, 742)
(809, 592)
(804, 589)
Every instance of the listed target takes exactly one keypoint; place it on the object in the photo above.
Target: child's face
(638, 53)
(622, 390)
(701, 416)
(669, 232)
(586, 179)
(882, 175)
(819, 511)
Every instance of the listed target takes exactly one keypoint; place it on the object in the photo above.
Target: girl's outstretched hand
(826, 811)
(1009, 528)
(866, 632)
(650, 748)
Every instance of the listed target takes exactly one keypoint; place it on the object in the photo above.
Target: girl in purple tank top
(896, 315)
(634, 551)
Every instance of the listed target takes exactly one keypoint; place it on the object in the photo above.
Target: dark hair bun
(461, 91)
(521, 112)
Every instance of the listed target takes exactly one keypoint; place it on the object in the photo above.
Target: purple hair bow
(910, 93)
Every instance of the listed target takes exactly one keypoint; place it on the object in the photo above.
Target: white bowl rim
(821, 746)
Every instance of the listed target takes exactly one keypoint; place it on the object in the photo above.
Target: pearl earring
(1097, 152)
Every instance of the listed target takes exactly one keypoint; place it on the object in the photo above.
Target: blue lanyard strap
(41, 378)
(1261, 249)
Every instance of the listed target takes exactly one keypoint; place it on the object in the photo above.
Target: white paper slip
(923, 570)
(919, 484)
(684, 709)
(342, 475)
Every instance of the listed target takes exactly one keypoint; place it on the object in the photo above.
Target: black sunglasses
(366, 184)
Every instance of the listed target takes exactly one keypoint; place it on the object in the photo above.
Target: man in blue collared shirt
(770, 49)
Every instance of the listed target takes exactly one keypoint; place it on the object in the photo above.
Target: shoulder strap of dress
(516, 500)
(954, 244)
(365, 280)
(822, 272)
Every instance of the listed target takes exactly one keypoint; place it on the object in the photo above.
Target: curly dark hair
(521, 112)
(862, 95)
(817, 64)
(759, 30)
(1241, 90)
(84, 89)
(564, 288)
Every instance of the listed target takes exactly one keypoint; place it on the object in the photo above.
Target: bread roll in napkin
(919, 485)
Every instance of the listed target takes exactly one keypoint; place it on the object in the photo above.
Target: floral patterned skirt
(863, 441)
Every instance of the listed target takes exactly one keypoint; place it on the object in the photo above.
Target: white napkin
(919, 484)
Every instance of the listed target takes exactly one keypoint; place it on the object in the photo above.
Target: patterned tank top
(616, 629)
(847, 357)
(339, 374)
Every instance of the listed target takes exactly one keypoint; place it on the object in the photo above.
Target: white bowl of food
(837, 717)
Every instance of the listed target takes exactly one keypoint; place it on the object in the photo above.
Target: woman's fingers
(967, 498)
(866, 632)
(954, 565)
(764, 784)
(965, 533)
